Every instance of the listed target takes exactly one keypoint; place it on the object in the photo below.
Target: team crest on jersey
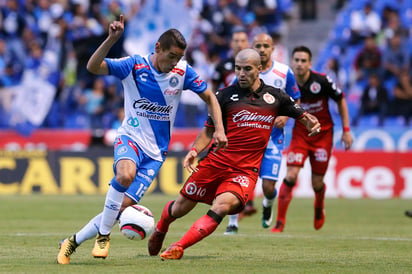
(173, 81)
(241, 180)
(122, 150)
(315, 87)
(268, 98)
(321, 155)
(191, 188)
(277, 83)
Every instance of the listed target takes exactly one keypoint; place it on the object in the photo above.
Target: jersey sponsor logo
(268, 98)
(321, 155)
(295, 158)
(141, 66)
(150, 172)
(144, 176)
(245, 115)
(234, 97)
(133, 122)
(315, 88)
(153, 110)
(170, 91)
(241, 180)
(314, 107)
(179, 71)
(278, 83)
(281, 74)
(174, 81)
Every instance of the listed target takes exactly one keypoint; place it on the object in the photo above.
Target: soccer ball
(136, 222)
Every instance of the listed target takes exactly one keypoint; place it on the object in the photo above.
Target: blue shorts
(270, 166)
(146, 167)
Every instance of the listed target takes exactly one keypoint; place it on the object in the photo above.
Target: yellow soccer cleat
(67, 247)
(101, 246)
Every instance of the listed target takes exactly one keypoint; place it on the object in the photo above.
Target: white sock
(111, 209)
(89, 230)
(267, 202)
(233, 220)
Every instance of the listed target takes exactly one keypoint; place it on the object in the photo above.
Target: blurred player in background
(224, 73)
(315, 89)
(279, 76)
(152, 88)
(225, 178)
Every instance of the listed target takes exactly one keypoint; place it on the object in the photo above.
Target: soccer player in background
(224, 73)
(280, 76)
(152, 88)
(316, 89)
(225, 178)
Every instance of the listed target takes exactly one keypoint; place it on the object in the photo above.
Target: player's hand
(312, 124)
(280, 121)
(189, 162)
(220, 140)
(116, 28)
(347, 140)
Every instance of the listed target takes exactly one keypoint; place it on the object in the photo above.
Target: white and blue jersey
(151, 100)
(279, 76)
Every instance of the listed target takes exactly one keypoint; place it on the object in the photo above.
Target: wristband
(346, 129)
(193, 149)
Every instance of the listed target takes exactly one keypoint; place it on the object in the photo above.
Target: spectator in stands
(364, 23)
(11, 28)
(368, 60)
(395, 57)
(93, 103)
(374, 100)
(218, 21)
(402, 104)
(266, 17)
(308, 9)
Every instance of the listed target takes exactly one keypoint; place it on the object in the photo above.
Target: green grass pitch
(359, 236)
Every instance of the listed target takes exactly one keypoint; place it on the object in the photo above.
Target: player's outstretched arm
(96, 64)
(219, 136)
(202, 141)
(346, 138)
(311, 123)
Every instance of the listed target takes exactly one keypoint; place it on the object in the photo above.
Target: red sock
(320, 197)
(202, 228)
(285, 196)
(165, 219)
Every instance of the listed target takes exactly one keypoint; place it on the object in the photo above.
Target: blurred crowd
(368, 53)
(69, 31)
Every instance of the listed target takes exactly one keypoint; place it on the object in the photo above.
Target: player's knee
(290, 182)
(125, 178)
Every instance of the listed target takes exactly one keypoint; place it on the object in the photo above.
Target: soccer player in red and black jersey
(226, 178)
(316, 89)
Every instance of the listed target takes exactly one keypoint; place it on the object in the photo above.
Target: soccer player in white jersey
(280, 76)
(152, 87)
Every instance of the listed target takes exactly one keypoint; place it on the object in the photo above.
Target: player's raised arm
(96, 64)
